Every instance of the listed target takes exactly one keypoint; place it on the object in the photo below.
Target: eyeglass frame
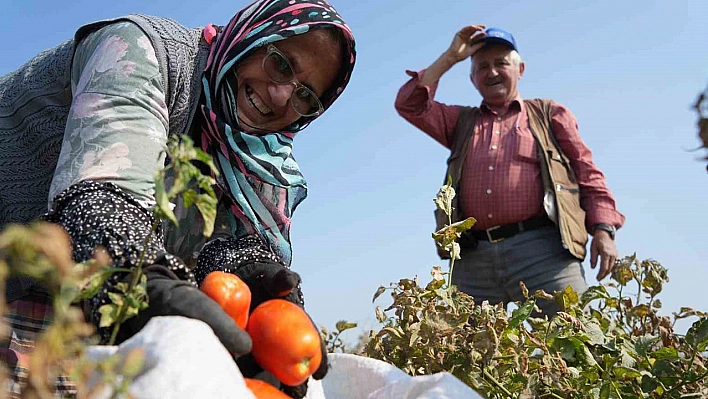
(271, 49)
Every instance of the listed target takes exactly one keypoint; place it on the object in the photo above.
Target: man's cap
(499, 36)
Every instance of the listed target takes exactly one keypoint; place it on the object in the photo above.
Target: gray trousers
(492, 271)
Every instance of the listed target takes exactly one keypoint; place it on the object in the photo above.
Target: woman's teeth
(256, 101)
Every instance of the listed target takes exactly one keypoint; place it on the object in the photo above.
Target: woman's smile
(256, 101)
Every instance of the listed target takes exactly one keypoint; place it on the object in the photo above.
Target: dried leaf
(378, 293)
(437, 273)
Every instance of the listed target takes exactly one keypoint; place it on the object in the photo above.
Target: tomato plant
(285, 341)
(263, 390)
(231, 293)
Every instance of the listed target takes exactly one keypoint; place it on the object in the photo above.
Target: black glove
(101, 214)
(170, 296)
(267, 278)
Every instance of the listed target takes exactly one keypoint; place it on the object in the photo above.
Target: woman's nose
(280, 93)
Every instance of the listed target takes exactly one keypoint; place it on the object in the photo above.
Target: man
(521, 169)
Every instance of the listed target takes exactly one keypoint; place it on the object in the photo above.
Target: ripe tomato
(263, 390)
(285, 342)
(231, 293)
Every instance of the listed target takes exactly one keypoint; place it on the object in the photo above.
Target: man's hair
(513, 55)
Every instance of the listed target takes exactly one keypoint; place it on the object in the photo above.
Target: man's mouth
(493, 82)
(257, 102)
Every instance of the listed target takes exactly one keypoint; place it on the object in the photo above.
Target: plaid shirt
(27, 317)
(501, 183)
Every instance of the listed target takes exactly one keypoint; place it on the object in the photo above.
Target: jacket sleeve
(117, 124)
(595, 197)
(416, 104)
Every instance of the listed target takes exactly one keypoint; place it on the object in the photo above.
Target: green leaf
(207, 159)
(644, 343)
(593, 293)
(593, 333)
(344, 325)
(626, 373)
(649, 384)
(392, 332)
(698, 333)
(207, 207)
(163, 203)
(92, 285)
(188, 197)
(464, 225)
(109, 314)
(116, 298)
(520, 314)
(133, 363)
(666, 353)
(566, 298)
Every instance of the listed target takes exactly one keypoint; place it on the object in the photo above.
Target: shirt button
(494, 147)
(498, 118)
(489, 216)
(491, 167)
(497, 132)
(489, 191)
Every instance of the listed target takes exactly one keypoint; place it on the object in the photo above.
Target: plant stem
(496, 383)
(334, 340)
(137, 274)
(452, 257)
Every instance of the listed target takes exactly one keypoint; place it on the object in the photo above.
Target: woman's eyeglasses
(304, 101)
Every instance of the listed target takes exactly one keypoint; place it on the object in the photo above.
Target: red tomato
(285, 342)
(231, 293)
(263, 390)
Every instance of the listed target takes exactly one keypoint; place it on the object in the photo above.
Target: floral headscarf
(259, 174)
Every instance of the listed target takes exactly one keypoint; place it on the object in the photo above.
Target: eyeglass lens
(279, 70)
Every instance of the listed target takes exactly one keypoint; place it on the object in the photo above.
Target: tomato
(285, 342)
(263, 390)
(231, 293)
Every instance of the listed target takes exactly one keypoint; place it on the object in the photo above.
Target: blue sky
(628, 70)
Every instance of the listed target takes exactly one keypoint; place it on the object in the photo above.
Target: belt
(501, 233)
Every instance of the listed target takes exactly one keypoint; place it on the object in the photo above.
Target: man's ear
(472, 80)
(522, 68)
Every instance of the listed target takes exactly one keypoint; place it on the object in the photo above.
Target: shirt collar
(516, 105)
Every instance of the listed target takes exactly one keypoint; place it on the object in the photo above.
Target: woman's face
(265, 105)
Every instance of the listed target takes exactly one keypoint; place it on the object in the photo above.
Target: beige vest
(561, 191)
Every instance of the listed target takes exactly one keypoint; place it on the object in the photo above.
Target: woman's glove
(101, 214)
(170, 296)
(267, 278)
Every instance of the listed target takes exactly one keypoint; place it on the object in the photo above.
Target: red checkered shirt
(501, 180)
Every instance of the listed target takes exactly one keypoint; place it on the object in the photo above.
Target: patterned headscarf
(259, 174)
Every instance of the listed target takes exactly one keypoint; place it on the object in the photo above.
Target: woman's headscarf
(259, 174)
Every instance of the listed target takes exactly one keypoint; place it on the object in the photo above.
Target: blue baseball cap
(500, 36)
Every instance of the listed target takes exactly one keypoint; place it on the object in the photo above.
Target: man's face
(495, 75)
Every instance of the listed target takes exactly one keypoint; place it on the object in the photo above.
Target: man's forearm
(438, 68)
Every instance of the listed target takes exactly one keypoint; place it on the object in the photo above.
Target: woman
(83, 125)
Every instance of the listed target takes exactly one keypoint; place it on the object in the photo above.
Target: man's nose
(280, 93)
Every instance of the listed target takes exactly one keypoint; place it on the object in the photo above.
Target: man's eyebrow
(297, 68)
